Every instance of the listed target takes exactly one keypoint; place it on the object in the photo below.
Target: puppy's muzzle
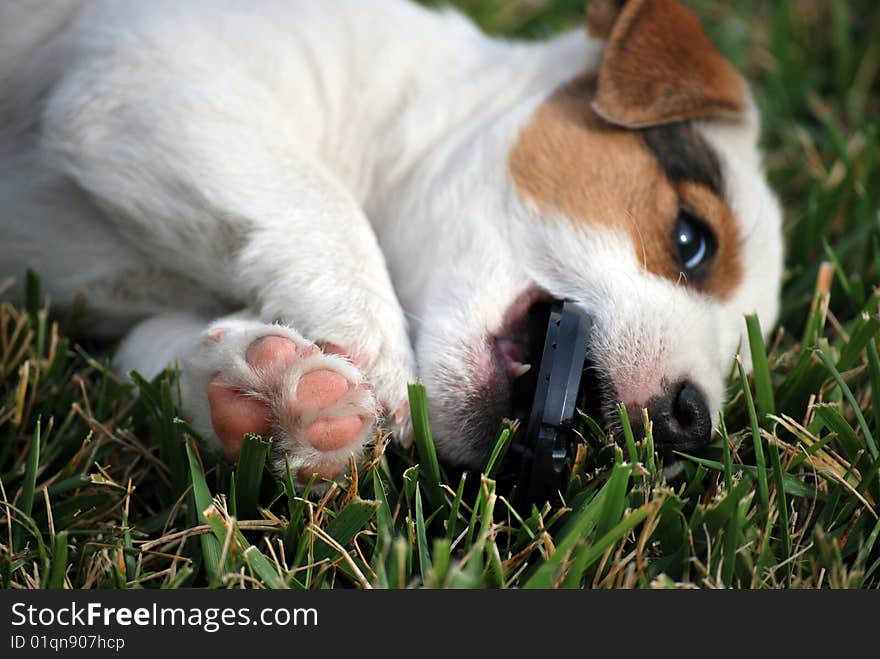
(680, 416)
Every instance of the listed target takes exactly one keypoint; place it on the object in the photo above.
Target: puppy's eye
(694, 244)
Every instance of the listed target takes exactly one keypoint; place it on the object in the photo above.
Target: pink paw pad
(234, 414)
(335, 433)
(326, 411)
(271, 352)
(321, 388)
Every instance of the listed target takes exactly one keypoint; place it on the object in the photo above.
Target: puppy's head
(637, 190)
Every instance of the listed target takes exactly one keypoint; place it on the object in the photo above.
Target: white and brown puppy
(309, 204)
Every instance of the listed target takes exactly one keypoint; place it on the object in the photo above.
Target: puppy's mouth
(518, 351)
(516, 346)
(507, 370)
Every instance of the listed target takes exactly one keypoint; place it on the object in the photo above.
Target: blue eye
(694, 244)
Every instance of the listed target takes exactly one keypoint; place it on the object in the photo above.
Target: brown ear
(659, 66)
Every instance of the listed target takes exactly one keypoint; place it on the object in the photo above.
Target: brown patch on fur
(660, 67)
(567, 160)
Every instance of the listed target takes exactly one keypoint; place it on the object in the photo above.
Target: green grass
(102, 486)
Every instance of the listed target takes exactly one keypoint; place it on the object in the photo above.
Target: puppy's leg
(213, 183)
(240, 375)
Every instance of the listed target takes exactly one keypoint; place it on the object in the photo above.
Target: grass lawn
(101, 485)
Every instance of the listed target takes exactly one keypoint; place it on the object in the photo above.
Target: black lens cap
(545, 446)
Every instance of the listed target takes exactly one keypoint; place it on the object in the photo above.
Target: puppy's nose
(681, 418)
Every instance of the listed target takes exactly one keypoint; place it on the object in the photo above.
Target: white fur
(337, 166)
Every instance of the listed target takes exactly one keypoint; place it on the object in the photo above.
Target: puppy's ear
(659, 66)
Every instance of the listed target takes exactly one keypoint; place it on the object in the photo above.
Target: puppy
(308, 204)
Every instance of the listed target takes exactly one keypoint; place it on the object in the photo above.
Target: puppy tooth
(521, 369)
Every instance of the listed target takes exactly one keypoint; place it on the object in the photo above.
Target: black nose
(681, 418)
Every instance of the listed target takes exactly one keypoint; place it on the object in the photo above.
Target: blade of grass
(860, 336)
(33, 294)
(296, 512)
(249, 475)
(628, 433)
(347, 523)
(59, 562)
(261, 566)
(227, 561)
(452, 520)
(649, 444)
(613, 505)
(203, 501)
(442, 554)
(763, 492)
(760, 368)
(499, 450)
(422, 538)
(781, 506)
(29, 484)
(384, 517)
(725, 447)
(179, 580)
(418, 404)
(731, 538)
(847, 393)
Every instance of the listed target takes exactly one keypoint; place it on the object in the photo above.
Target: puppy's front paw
(268, 380)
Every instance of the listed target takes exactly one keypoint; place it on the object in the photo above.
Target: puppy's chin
(468, 402)
(467, 425)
